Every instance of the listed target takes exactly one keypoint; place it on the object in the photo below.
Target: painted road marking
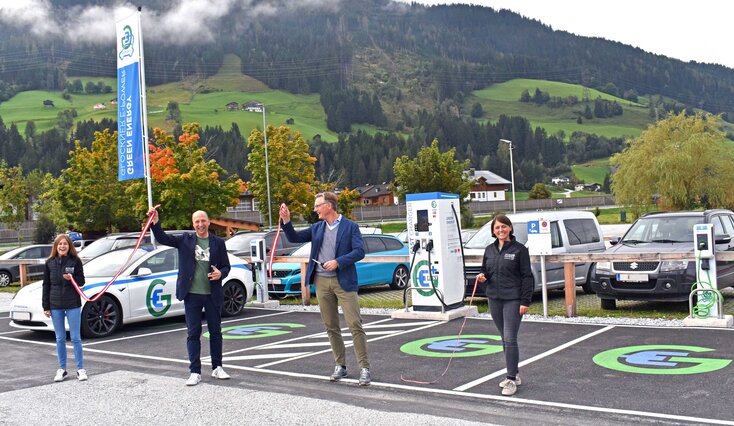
(545, 354)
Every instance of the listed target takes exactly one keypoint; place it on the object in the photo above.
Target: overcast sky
(700, 30)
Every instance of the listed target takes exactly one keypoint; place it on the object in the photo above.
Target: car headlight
(673, 265)
(604, 267)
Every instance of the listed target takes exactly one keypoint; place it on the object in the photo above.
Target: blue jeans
(74, 316)
(507, 318)
(193, 304)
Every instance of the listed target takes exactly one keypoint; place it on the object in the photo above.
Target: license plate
(633, 278)
(275, 281)
(20, 316)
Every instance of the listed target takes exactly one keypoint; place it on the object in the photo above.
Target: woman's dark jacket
(508, 272)
(59, 293)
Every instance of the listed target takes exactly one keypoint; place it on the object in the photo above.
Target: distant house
(99, 106)
(113, 101)
(560, 180)
(487, 186)
(253, 106)
(48, 103)
(595, 187)
(375, 195)
(290, 121)
(232, 106)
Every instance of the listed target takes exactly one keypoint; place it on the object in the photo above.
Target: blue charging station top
(430, 196)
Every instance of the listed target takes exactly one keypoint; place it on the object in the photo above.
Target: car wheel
(399, 278)
(235, 297)
(5, 278)
(609, 304)
(587, 285)
(101, 317)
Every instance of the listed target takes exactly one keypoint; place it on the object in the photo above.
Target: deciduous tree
(13, 196)
(431, 171)
(685, 161)
(290, 167)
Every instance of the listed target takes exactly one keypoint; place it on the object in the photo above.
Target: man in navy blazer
(202, 265)
(336, 245)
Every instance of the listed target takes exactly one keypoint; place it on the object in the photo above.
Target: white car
(145, 290)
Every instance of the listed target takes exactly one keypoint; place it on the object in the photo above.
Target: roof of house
(373, 190)
(488, 176)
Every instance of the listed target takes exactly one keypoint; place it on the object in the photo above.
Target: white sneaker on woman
(81, 375)
(60, 375)
(517, 381)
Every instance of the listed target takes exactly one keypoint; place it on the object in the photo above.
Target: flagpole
(144, 111)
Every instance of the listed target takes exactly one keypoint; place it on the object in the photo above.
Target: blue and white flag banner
(130, 141)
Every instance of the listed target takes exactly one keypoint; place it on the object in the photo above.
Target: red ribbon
(122, 268)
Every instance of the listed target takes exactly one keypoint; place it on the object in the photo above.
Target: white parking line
(155, 333)
(540, 356)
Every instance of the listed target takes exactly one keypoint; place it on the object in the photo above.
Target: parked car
(287, 276)
(144, 290)
(239, 243)
(571, 232)
(109, 243)
(81, 244)
(11, 273)
(665, 280)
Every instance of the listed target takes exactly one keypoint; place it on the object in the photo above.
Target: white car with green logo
(145, 290)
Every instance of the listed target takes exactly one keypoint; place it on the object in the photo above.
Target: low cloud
(185, 21)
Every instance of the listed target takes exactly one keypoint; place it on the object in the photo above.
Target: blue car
(287, 276)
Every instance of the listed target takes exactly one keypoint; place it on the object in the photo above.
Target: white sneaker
(509, 389)
(60, 375)
(193, 380)
(81, 375)
(220, 374)
(517, 381)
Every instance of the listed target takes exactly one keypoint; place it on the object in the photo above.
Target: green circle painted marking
(453, 346)
(421, 276)
(256, 331)
(659, 359)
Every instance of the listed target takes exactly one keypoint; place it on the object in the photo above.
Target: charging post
(260, 274)
(539, 244)
(436, 282)
(707, 312)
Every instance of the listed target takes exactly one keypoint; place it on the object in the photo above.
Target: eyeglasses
(316, 206)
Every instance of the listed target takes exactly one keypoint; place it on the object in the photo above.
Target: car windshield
(12, 253)
(108, 264)
(663, 229)
(98, 247)
(484, 237)
(304, 250)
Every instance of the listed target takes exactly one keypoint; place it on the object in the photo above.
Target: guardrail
(23, 267)
(569, 260)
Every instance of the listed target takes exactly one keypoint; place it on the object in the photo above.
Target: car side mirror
(614, 241)
(722, 239)
(143, 272)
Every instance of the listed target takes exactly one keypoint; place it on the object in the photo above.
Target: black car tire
(101, 317)
(235, 297)
(609, 304)
(399, 278)
(5, 278)
(586, 286)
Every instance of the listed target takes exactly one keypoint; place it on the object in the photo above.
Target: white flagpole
(144, 111)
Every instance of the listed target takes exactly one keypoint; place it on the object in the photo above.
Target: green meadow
(593, 171)
(504, 98)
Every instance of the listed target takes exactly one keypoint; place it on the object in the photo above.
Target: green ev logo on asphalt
(456, 346)
(157, 302)
(422, 278)
(659, 359)
(256, 331)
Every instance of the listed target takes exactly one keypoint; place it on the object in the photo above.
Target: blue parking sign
(533, 227)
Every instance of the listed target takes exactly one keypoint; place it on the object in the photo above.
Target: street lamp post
(267, 172)
(512, 173)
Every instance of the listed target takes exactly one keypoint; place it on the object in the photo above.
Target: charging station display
(437, 276)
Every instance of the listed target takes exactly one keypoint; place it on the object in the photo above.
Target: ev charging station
(436, 281)
(707, 312)
(258, 262)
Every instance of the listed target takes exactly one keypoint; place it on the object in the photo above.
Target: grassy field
(504, 98)
(593, 171)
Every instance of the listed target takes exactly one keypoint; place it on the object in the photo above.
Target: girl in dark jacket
(61, 301)
(506, 269)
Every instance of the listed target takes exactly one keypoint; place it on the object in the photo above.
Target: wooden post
(569, 275)
(305, 288)
(23, 268)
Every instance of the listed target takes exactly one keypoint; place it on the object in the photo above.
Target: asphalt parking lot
(572, 373)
